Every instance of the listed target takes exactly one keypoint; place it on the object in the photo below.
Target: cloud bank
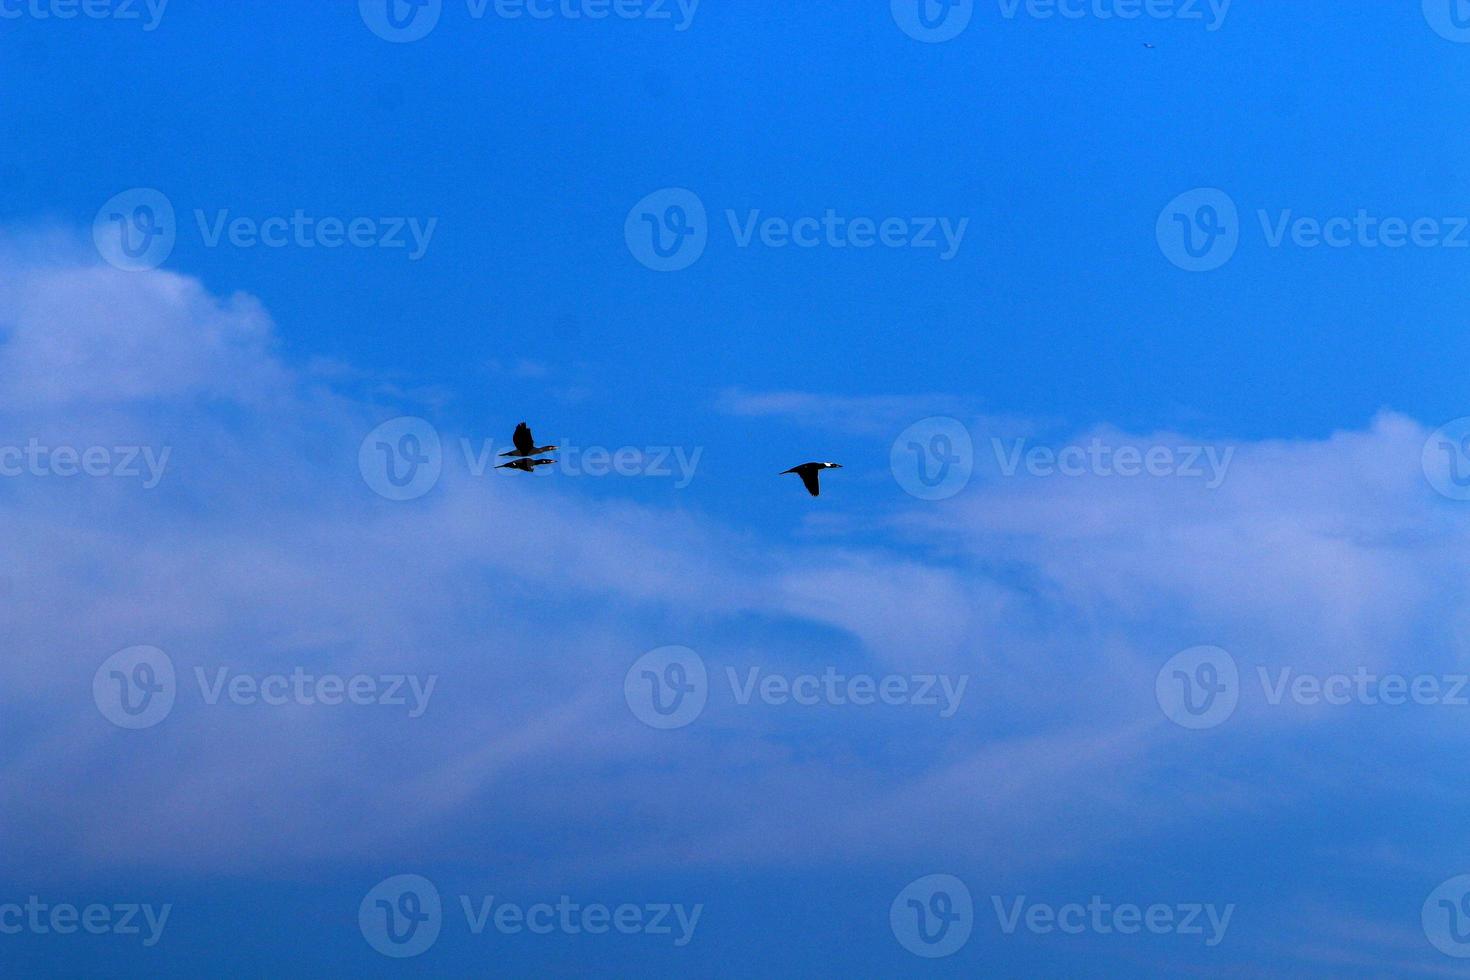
(262, 550)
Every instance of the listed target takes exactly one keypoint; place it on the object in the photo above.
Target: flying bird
(525, 444)
(808, 473)
(525, 465)
(1147, 45)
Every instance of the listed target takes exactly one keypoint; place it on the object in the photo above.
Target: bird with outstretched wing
(525, 443)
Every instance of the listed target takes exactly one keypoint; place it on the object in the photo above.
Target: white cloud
(264, 550)
(77, 334)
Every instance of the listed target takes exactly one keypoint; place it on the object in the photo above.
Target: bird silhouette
(525, 465)
(525, 443)
(808, 473)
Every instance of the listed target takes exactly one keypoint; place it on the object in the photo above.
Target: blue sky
(1302, 514)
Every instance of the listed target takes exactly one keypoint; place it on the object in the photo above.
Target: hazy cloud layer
(263, 550)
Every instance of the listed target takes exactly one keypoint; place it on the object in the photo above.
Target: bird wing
(522, 439)
(809, 477)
